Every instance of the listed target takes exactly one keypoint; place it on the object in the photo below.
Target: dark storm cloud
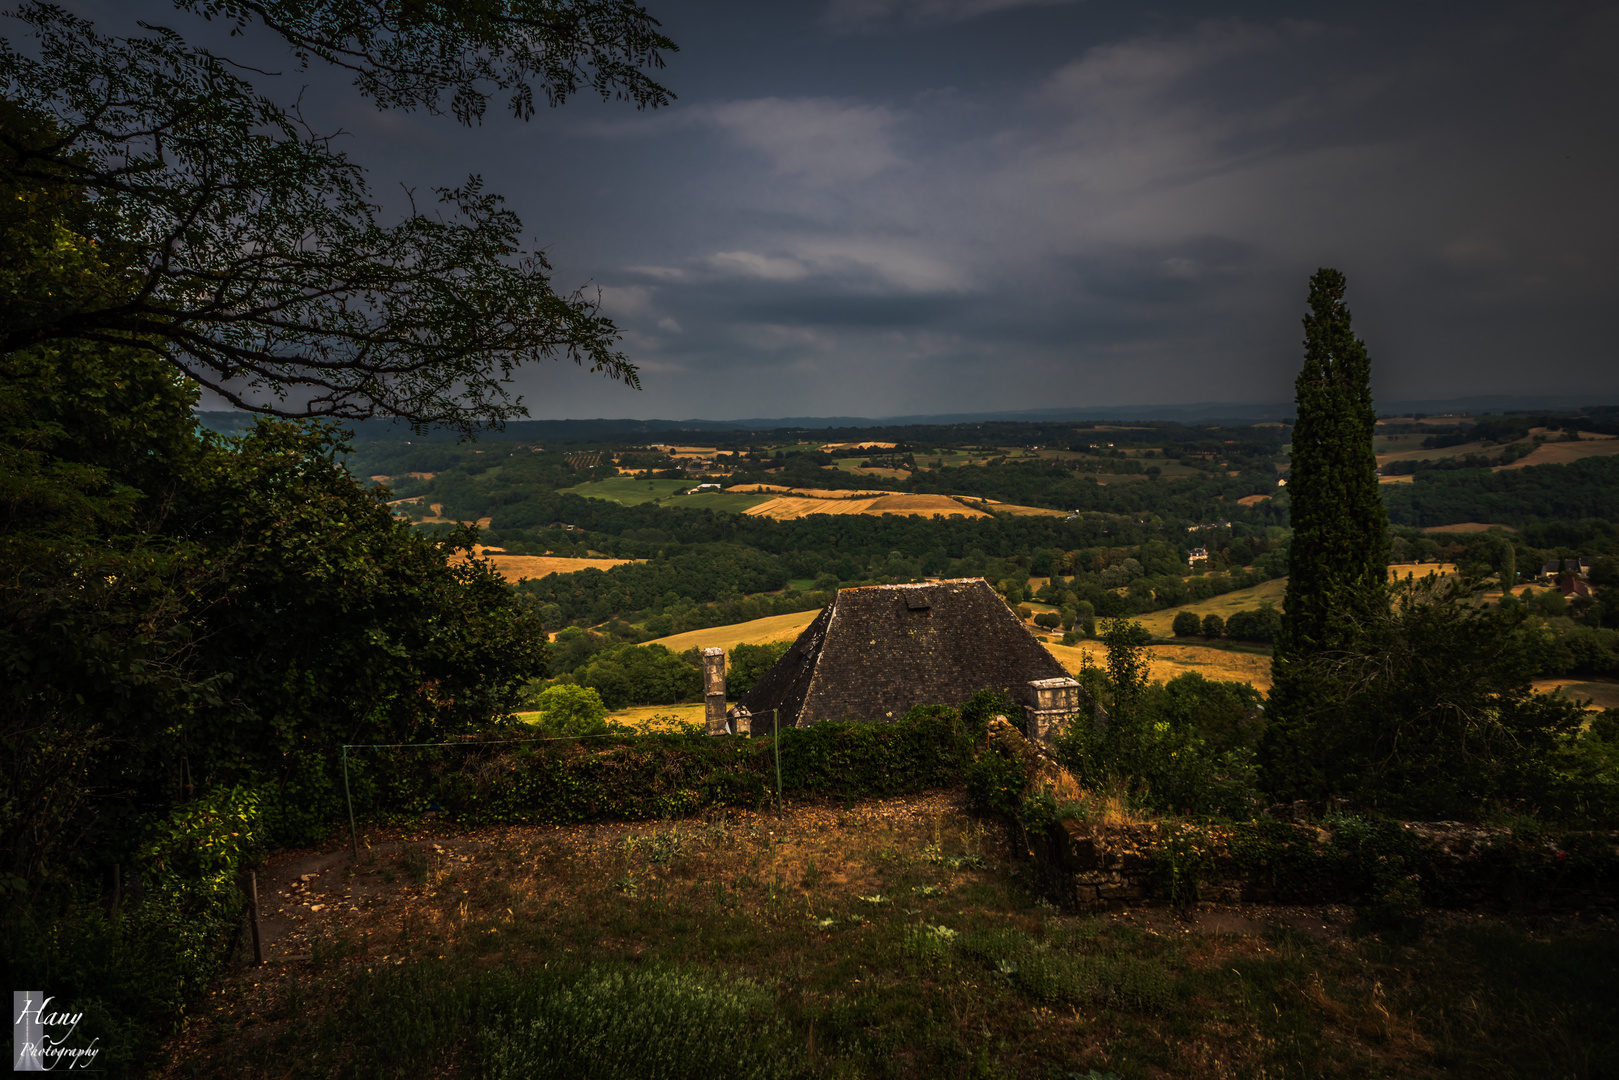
(904, 206)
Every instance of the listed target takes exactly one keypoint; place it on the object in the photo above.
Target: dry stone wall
(1088, 866)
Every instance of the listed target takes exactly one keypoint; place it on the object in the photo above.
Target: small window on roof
(917, 600)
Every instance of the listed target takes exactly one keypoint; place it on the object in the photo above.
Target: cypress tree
(1338, 562)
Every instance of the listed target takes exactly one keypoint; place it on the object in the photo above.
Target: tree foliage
(570, 709)
(410, 55)
(1182, 746)
(200, 221)
(1429, 710)
(1338, 561)
(747, 664)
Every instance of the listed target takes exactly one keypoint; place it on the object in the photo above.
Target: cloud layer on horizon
(869, 207)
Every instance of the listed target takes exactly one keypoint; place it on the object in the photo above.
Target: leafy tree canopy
(194, 218)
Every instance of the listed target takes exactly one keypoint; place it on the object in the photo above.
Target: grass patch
(887, 939)
(1160, 622)
(628, 490)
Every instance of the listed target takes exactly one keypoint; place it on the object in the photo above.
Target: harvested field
(1013, 508)
(1169, 661)
(1419, 571)
(1159, 622)
(1602, 693)
(647, 718)
(1562, 453)
(1252, 500)
(788, 508)
(1419, 454)
(859, 446)
(926, 505)
(757, 632)
(517, 567)
(1406, 479)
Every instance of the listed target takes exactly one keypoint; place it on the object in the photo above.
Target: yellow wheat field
(790, 507)
(517, 567)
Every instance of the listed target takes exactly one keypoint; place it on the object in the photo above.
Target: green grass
(628, 490)
(859, 942)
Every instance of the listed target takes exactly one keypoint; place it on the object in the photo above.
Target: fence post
(354, 837)
(775, 726)
(253, 894)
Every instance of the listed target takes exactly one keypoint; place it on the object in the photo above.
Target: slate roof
(877, 651)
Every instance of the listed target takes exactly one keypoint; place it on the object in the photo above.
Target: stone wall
(1088, 866)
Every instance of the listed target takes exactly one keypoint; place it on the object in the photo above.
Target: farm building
(876, 652)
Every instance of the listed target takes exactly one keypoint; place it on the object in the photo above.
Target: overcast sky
(879, 207)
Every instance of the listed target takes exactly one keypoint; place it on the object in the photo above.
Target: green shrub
(1164, 766)
(995, 782)
(610, 1024)
(1040, 813)
(1261, 624)
(985, 705)
(132, 969)
(1186, 624)
(1213, 626)
(568, 710)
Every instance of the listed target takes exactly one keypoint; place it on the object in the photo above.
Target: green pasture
(628, 490)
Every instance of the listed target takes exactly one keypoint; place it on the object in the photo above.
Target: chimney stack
(714, 689)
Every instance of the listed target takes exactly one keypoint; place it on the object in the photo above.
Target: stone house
(876, 652)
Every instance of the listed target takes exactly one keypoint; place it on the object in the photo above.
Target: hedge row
(654, 776)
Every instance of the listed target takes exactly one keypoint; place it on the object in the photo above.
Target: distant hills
(1207, 413)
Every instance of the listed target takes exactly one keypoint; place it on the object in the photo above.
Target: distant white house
(1197, 555)
(703, 487)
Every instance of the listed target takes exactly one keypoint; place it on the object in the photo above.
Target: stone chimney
(1055, 701)
(714, 689)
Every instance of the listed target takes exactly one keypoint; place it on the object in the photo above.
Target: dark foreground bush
(132, 963)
